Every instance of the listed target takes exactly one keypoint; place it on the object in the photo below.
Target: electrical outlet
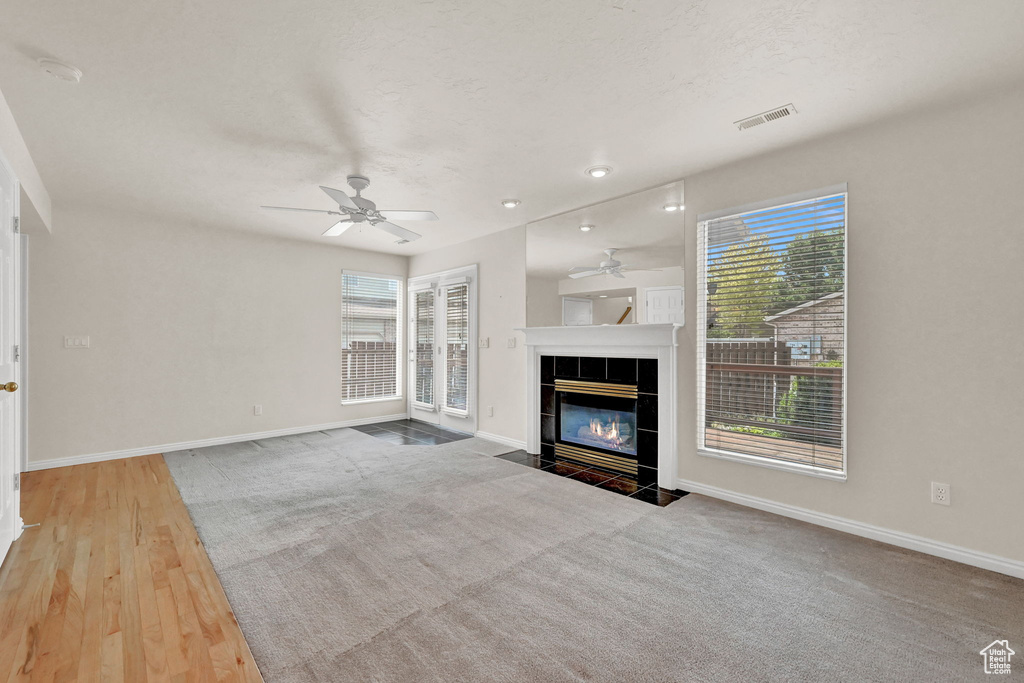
(511, 342)
(940, 493)
(257, 410)
(490, 411)
(485, 342)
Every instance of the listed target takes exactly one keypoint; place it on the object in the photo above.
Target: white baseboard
(956, 553)
(202, 443)
(504, 440)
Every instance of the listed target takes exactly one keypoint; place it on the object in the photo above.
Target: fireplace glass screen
(612, 427)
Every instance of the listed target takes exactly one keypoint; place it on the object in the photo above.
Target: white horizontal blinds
(423, 312)
(370, 330)
(773, 332)
(457, 346)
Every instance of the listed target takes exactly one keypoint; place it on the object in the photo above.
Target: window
(370, 334)
(457, 347)
(772, 334)
(423, 306)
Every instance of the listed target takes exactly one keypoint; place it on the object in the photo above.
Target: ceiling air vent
(766, 117)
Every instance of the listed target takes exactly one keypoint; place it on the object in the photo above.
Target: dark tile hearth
(616, 483)
(411, 433)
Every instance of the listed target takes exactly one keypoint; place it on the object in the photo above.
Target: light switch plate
(511, 342)
(76, 342)
(485, 342)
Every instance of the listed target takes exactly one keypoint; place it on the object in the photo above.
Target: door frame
(454, 419)
(18, 456)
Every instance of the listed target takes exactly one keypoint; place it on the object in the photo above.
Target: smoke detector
(766, 117)
(60, 70)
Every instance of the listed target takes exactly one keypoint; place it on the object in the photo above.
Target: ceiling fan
(358, 209)
(611, 267)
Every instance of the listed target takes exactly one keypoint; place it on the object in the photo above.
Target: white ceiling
(201, 111)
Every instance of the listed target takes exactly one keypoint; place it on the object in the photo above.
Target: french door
(442, 349)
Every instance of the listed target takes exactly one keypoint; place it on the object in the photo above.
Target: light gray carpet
(349, 559)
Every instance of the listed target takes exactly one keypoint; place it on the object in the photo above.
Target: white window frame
(399, 335)
(702, 220)
(443, 286)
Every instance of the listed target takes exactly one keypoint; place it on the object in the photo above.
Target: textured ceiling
(202, 110)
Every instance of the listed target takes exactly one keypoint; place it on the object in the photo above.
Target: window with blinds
(772, 334)
(423, 319)
(456, 395)
(370, 334)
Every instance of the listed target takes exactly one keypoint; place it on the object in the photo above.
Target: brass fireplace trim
(596, 388)
(589, 457)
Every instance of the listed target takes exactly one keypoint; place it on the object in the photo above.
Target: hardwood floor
(115, 584)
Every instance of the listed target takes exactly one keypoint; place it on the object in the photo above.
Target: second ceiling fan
(358, 209)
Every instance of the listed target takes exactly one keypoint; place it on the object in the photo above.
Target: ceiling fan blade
(577, 269)
(617, 274)
(289, 208)
(585, 273)
(409, 215)
(398, 231)
(340, 197)
(338, 228)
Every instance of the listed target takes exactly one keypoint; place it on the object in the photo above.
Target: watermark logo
(997, 657)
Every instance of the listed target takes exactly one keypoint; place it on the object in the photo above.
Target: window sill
(377, 399)
(455, 412)
(796, 468)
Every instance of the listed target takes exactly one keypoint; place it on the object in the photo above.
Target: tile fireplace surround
(610, 342)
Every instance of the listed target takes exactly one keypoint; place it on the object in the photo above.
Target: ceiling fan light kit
(359, 209)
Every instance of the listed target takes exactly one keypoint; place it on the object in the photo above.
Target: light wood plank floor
(115, 585)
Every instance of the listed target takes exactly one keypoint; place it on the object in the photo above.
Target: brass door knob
(10, 386)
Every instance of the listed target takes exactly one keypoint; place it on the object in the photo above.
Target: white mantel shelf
(612, 341)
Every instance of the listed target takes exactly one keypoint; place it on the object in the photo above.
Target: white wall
(35, 199)
(189, 328)
(936, 357)
(501, 258)
(543, 303)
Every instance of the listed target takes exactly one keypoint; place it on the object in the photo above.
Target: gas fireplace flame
(609, 433)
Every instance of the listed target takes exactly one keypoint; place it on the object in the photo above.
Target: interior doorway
(443, 348)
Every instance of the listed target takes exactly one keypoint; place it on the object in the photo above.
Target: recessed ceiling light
(598, 171)
(60, 70)
(510, 203)
(603, 296)
(674, 207)
(586, 228)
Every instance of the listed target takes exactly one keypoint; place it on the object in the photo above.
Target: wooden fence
(755, 384)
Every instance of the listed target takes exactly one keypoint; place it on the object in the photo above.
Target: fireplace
(638, 359)
(601, 413)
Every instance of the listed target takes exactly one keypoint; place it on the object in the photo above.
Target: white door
(442, 349)
(577, 311)
(664, 304)
(10, 297)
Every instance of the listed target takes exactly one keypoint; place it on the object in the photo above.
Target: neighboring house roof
(806, 304)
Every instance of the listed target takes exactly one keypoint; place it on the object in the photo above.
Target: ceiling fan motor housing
(358, 182)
